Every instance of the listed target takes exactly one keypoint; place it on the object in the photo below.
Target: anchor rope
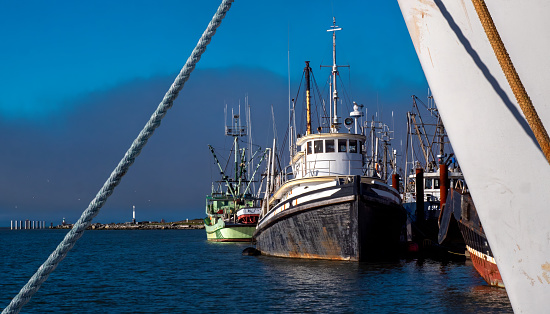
(513, 78)
(95, 205)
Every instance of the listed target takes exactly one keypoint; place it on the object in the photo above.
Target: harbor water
(174, 271)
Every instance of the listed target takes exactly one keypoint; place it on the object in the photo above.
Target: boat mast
(335, 125)
(308, 98)
(248, 122)
(372, 143)
(292, 137)
(224, 177)
(236, 145)
(236, 129)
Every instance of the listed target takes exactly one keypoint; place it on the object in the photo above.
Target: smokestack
(395, 181)
(443, 184)
(419, 184)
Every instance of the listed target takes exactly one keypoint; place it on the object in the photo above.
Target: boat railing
(327, 167)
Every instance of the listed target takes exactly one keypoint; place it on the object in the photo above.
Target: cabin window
(436, 183)
(428, 184)
(309, 148)
(353, 146)
(342, 146)
(360, 147)
(329, 146)
(318, 147)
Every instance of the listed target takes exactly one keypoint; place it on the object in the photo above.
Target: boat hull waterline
(223, 231)
(352, 223)
(461, 206)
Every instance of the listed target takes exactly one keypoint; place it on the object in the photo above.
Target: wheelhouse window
(428, 184)
(353, 146)
(318, 146)
(329, 146)
(360, 147)
(342, 146)
(436, 183)
(309, 150)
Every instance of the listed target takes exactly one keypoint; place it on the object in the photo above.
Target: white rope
(114, 179)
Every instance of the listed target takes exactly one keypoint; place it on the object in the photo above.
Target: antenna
(335, 125)
(392, 121)
(355, 114)
(290, 105)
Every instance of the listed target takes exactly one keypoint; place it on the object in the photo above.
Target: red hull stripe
(486, 267)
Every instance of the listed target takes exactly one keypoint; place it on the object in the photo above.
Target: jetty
(146, 225)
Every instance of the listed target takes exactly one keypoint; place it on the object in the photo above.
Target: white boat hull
(503, 165)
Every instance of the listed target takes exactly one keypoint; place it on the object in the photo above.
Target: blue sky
(65, 65)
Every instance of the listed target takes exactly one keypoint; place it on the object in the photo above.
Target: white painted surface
(300, 200)
(331, 163)
(505, 170)
(249, 211)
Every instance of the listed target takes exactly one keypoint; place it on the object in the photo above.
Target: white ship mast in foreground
(507, 174)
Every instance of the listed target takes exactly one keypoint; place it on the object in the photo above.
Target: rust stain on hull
(466, 13)
(331, 247)
(529, 277)
(310, 256)
(364, 228)
(430, 55)
(417, 25)
(354, 224)
(545, 271)
(488, 270)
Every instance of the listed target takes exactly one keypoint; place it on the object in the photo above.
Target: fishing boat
(431, 169)
(332, 200)
(449, 223)
(494, 131)
(460, 209)
(232, 208)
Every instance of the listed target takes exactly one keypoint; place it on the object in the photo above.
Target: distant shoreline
(147, 225)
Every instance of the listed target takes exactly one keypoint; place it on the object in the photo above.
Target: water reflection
(311, 284)
(404, 286)
(175, 271)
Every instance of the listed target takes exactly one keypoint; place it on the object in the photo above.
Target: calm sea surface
(174, 271)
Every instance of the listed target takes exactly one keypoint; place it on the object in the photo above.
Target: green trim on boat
(220, 232)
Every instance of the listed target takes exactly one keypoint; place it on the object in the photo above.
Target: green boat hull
(222, 232)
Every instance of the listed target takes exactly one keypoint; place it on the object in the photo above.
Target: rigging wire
(135, 149)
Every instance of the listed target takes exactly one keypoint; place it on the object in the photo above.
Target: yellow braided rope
(513, 78)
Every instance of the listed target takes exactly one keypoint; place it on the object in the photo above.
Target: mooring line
(95, 205)
(512, 77)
